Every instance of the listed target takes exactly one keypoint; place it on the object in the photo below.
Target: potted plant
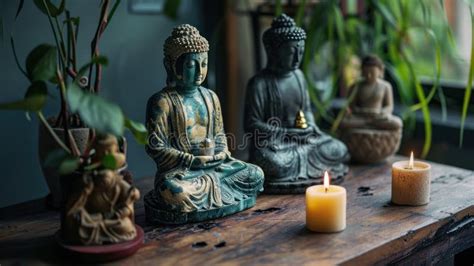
(82, 112)
(82, 148)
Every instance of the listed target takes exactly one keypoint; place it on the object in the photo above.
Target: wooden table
(274, 230)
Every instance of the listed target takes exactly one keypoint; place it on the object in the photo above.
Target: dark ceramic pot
(47, 144)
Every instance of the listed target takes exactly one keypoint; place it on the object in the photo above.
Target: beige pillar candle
(411, 182)
(326, 207)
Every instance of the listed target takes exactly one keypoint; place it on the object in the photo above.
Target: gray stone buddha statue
(196, 178)
(369, 129)
(286, 143)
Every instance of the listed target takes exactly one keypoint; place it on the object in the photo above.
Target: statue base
(296, 187)
(371, 145)
(155, 215)
(102, 253)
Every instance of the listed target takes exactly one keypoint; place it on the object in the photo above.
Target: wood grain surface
(273, 232)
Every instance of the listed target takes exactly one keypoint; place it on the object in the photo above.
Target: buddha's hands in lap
(205, 161)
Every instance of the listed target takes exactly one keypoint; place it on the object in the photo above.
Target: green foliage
(278, 8)
(467, 92)
(101, 60)
(35, 99)
(109, 162)
(138, 130)
(171, 8)
(41, 63)
(392, 30)
(46, 6)
(63, 162)
(95, 111)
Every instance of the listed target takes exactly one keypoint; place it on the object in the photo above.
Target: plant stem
(62, 47)
(72, 41)
(54, 32)
(51, 131)
(67, 134)
(95, 46)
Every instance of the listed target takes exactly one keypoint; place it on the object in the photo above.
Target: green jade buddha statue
(196, 179)
(286, 142)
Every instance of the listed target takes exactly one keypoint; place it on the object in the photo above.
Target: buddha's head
(284, 44)
(186, 57)
(372, 68)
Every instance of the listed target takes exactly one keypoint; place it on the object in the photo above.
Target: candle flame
(411, 164)
(326, 180)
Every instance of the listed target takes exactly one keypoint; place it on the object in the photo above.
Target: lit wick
(326, 181)
(411, 164)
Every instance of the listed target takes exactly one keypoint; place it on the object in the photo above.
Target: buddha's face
(371, 73)
(191, 69)
(290, 55)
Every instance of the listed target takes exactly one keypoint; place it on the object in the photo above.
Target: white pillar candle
(326, 207)
(411, 182)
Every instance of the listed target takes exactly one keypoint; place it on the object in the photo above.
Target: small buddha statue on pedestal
(292, 151)
(197, 179)
(369, 129)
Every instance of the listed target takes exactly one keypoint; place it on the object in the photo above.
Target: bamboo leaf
(437, 68)
(339, 23)
(467, 91)
(385, 12)
(95, 111)
(41, 62)
(300, 13)
(138, 130)
(171, 8)
(424, 109)
(46, 5)
(278, 8)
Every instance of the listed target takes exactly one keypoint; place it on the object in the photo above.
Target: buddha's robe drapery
(178, 187)
(284, 155)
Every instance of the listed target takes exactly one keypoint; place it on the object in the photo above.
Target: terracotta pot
(46, 145)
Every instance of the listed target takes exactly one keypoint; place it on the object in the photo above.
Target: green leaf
(138, 130)
(385, 12)
(95, 111)
(101, 60)
(41, 63)
(54, 11)
(109, 162)
(35, 99)
(278, 8)
(467, 91)
(300, 13)
(171, 7)
(61, 161)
